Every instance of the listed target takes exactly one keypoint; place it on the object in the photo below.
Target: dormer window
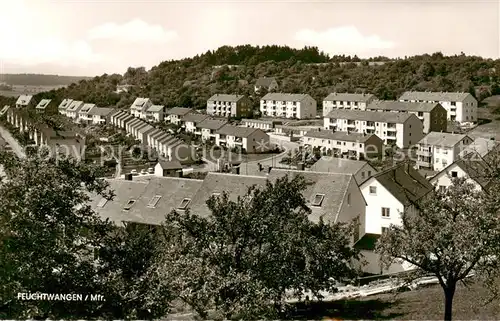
(318, 199)
(129, 205)
(184, 204)
(154, 201)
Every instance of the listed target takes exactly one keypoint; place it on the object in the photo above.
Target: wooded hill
(39, 79)
(191, 81)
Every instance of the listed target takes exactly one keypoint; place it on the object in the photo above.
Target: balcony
(424, 152)
(423, 164)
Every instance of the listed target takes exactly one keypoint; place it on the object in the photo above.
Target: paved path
(13, 143)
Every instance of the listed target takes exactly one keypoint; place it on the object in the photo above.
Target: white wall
(444, 178)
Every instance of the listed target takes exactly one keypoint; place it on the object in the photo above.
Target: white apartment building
(400, 129)
(301, 106)
(439, 150)
(388, 194)
(140, 106)
(460, 107)
(346, 101)
(432, 115)
(225, 105)
(252, 140)
(345, 145)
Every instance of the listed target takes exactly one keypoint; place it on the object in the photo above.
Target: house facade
(345, 145)
(264, 124)
(100, 115)
(154, 113)
(251, 140)
(346, 101)
(63, 106)
(224, 105)
(399, 129)
(438, 150)
(432, 115)
(192, 120)
(267, 83)
(208, 128)
(300, 106)
(460, 107)
(42, 105)
(140, 106)
(175, 115)
(73, 109)
(83, 114)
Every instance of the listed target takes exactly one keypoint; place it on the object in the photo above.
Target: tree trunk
(449, 292)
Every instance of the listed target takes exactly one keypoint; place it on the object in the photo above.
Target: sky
(92, 37)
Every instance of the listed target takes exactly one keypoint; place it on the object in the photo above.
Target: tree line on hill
(190, 82)
(39, 79)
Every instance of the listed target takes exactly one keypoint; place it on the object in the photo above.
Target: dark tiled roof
(179, 111)
(342, 136)
(376, 116)
(328, 164)
(236, 131)
(404, 182)
(348, 97)
(155, 108)
(195, 118)
(387, 105)
(100, 111)
(213, 124)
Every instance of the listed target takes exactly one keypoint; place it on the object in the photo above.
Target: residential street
(14, 144)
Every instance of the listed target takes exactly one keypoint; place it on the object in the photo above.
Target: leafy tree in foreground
(241, 260)
(456, 232)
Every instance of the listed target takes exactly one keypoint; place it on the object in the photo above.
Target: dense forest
(39, 80)
(190, 82)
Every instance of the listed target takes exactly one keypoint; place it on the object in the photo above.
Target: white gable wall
(444, 178)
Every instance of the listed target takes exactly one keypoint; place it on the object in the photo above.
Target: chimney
(128, 176)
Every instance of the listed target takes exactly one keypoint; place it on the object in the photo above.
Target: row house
(155, 113)
(471, 167)
(361, 170)
(346, 101)
(225, 105)
(300, 106)
(264, 124)
(73, 109)
(42, 105)
(294, 131)
(251, 140)
(388, 194)
(266, 83)
(120, 118)
(137, 128)
(83, 114)
(432, 115)
(192, 120)
(175, 115)
(438, 150)
(63, 106)
(171, 148)
(100, 115)
(460, 107)
(25, 101)
(140, 106)
(345, 145)
(400, 129)
(208, 129)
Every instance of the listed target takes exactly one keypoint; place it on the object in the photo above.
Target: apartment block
(300, 106)
(224, 105)
(432, 115)
(438, 150)
(346, 101)
(400, 129)
(460, 107)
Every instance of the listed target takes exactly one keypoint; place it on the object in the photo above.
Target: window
(369, 173)
(385, 230)
(362, 174)
(442, 188)
(318, 199)
(129, 205)
(360, 145)
(154, 201)
(183, 205)
(102, 202)
(420, 114)
(454, 174)
(386, 212)
(373, 190)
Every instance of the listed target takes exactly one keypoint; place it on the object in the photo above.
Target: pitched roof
(376, 116)
(172, 191)
(4, 109)
(236, 131)
(154, 132)
(348, 97)
(194, 117)
(170, 164)
(145, 129)
(43, 104)
(226, 97)
(328, 164)
(482, 146)
(65, 103)
(433, 96)
(285, 97)
(155, 108)
(86, 108)
(442, 139)
(390, 105)
(101, 111)
(213, 124)
(140, 103)
(179, 111)
(135, 122)
(404, 182)
(24, 100)
(75, 106)
(472, 164)
(342, 136)
(264, 81)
